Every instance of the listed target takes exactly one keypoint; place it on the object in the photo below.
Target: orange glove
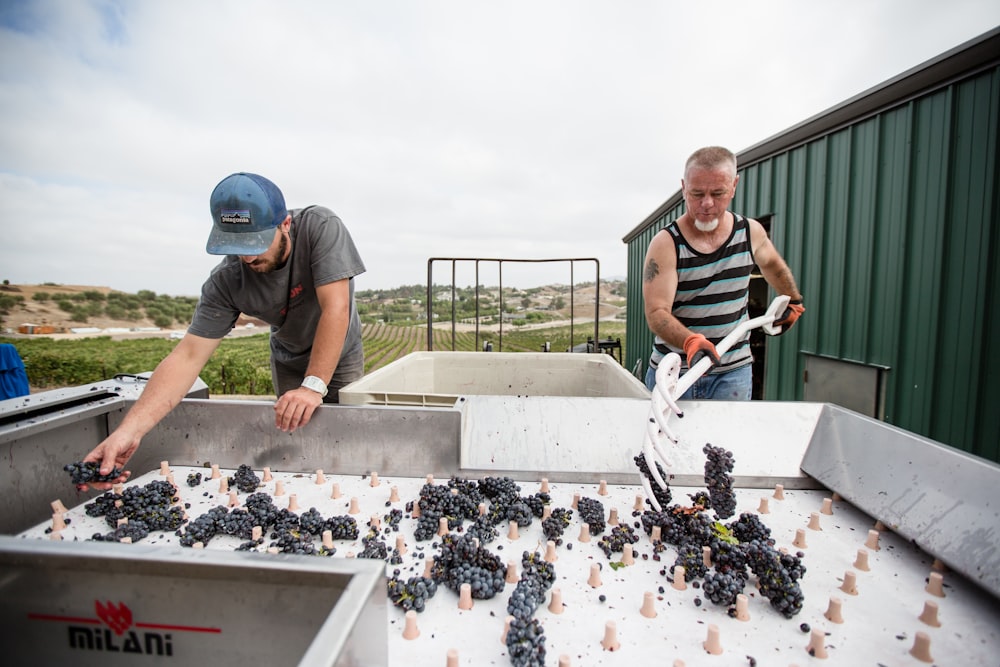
(697, 346)
(792, 312)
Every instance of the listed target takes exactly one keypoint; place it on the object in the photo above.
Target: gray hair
(711, 157)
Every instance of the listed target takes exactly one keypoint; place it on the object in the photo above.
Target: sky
(434, 128)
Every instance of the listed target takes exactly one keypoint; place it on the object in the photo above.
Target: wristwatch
(316, 384)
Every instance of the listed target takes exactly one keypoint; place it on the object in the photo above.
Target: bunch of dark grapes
(245, 479)
(592, 513)
(162, 518)
(537, 503)
(467, 488)
(86, 473)
(526, 643)
(427, 527)
(194, 479)
(650, 518)
(392, 520)
(527, 596)
(312, 521)
(133, 530)
(501, 490)
(535, 567)
(663, 496)
(262, 507)
(342, 527)
(556, 523)
(718, 465)
(438, 501)
(722, 589)
(203, 528)
(250, 545)
(462, 561)
(764, 558)
(238, 523)
(615, 542)
(748, 528)
(684, 525)
(777, 577)
(519, 512)
(374, 548)
(294, 542)
(483, 530)
(689, 556)
(153, 504)
(285, 520)
(729, 558)
(502, 493)
(526, 636)
(411, 594)
(701, 499)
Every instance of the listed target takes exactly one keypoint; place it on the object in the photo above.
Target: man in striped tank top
(696, 280)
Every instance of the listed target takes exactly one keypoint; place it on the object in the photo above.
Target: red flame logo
(118, 618)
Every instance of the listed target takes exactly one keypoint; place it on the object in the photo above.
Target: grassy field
(241, 366)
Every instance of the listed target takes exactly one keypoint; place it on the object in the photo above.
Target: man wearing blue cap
(292, 269)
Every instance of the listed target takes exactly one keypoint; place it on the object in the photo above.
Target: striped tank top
(712, 294)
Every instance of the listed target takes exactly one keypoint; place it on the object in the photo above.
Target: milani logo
(114, 631)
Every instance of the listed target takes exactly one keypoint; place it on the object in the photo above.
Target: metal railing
(500, 262)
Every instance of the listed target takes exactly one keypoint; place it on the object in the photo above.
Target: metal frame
(500, 262)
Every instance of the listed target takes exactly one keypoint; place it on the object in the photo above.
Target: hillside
(57, 310)
(82, 319)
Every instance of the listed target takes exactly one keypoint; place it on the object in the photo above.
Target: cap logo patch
(234, 217)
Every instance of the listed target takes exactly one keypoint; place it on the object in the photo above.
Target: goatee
(706, 226)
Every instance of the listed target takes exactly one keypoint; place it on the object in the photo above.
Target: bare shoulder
(662, 241)
(754, 225)
(660, 256)
(758, 235)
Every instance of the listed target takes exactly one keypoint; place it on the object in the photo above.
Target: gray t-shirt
(322, 252)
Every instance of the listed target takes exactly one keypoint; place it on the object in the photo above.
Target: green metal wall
(890, 227)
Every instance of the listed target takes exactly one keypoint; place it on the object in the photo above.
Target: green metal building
(886, 208)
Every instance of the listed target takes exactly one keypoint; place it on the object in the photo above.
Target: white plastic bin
(439, 378)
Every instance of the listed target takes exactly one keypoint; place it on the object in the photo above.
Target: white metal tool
(670, 387)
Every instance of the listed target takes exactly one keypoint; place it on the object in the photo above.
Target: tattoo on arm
(651, 271)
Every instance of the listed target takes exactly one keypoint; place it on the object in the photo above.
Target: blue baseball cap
(246, 208)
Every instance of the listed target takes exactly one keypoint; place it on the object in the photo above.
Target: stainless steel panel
(592, 439)
(942, 499)
(341, 439)
(92, 603)
(42, 432)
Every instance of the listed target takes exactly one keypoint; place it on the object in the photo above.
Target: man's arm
(659, 286)
(295, 408)
(772, 266)
(170, 382)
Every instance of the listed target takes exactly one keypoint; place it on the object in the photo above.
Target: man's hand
(295, 408)
(114, 452)
(697, 346)
(792, 312)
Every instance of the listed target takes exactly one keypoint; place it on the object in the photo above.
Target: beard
(706, 226)
(269, 264)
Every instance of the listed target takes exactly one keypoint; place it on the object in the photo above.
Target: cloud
(439, 128)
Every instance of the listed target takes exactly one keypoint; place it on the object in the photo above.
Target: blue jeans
(735, 385)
